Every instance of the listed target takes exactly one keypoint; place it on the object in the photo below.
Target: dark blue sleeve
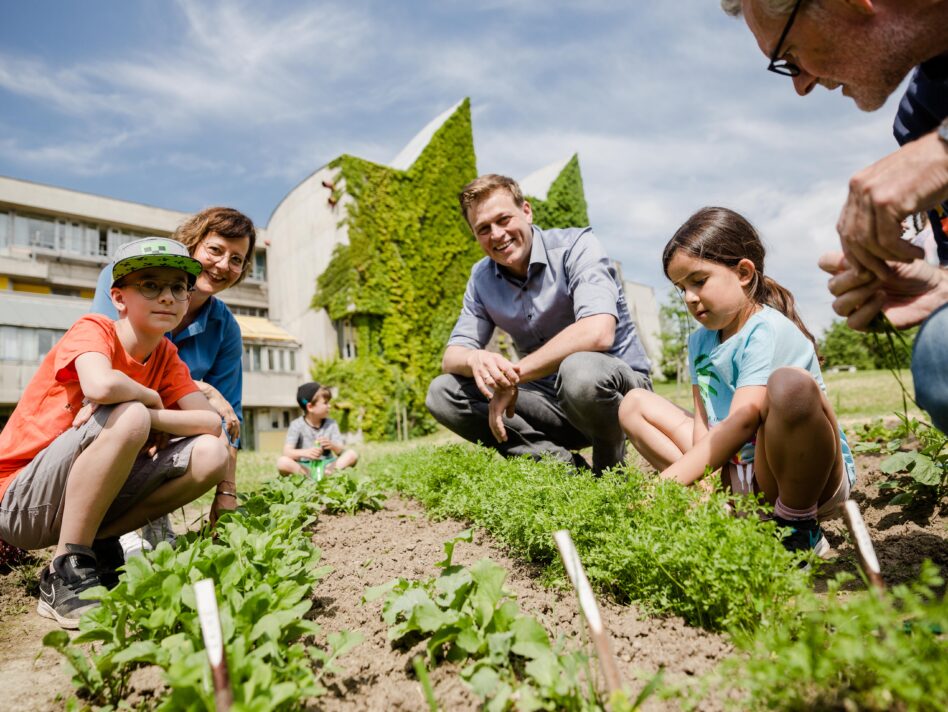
(923, 107)
(226, 373)
(102, 301)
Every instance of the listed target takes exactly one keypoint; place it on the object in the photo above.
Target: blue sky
(191, 103)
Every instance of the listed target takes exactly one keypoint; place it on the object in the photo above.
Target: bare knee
(793, 395)
(632, 407)
(209, 460)
(129, 421)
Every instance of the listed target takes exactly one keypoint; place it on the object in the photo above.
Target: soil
(399, 541)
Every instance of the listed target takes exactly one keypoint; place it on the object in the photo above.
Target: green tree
(676, 325)
(842, 346)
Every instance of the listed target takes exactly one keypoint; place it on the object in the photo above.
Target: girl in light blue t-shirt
(761, 412)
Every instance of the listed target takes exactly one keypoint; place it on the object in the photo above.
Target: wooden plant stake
(863, 543)
(214, 643)
(587, 602)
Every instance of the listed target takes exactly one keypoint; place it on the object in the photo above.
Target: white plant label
(577, 575)
(210, 620)
(863, 541)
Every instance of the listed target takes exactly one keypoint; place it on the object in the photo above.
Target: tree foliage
(676, 325)
(842, 346)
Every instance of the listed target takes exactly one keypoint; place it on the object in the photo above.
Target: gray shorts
(31, 511)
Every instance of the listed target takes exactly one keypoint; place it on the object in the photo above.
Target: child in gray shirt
(314, 436)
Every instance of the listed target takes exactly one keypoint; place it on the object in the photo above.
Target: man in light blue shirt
(557, 295)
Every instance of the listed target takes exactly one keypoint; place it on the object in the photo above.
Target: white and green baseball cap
(153, 252)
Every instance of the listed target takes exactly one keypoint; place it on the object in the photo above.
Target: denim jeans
(582, 410)
(930, 367)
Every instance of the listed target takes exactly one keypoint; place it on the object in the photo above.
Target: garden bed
(370, 548)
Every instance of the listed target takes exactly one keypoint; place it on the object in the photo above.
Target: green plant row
(853, 651)
(464, 615)
(265, 568)
(669, 548)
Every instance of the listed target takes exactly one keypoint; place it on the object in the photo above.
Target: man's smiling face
(503, 230)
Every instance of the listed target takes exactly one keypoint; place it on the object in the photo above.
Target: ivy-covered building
(368, 264)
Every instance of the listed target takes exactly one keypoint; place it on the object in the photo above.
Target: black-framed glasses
(777, 64)
(152, 289)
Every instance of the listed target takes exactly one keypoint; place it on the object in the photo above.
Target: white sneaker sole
(47, 611)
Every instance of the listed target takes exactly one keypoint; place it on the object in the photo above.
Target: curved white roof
(413, 148)
(538, 183)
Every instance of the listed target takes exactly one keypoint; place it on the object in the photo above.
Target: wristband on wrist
(227, 494)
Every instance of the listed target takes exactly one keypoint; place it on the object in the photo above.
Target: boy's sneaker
(109, 557)
(804, 535)
(73, 573)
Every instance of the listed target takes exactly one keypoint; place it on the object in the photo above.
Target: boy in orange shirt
(81, 460)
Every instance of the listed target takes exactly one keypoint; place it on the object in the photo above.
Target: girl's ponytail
(773, 294)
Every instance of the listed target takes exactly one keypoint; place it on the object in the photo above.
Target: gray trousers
(582, 409)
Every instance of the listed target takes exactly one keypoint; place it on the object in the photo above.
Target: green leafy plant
(349, 492)
(464, 615)
(265, 568)
(865, 651)
(923, 472)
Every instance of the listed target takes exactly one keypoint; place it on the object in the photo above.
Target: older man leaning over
(866, 48)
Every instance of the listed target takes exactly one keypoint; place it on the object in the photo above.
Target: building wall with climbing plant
(399, 281)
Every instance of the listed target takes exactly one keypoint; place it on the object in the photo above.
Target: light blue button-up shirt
(210, 345)
(569, 278)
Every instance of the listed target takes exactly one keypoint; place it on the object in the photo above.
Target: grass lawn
(857, 396)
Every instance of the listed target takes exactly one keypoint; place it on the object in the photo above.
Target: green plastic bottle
(317, 468)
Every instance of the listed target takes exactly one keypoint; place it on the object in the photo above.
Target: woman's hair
(228, 223)
(725, 237)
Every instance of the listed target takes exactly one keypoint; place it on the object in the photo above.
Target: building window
(346, 335)
(292, 355)
(250, 311)
(258, 270)
(25, 344)
(6, 229)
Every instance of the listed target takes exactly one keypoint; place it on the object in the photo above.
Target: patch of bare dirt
(903, 537)
(372, 548)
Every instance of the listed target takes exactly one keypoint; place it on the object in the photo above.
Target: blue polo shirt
(210, 346)
(569, 277)
(924, 106)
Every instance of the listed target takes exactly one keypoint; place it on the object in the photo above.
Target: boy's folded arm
(194, 416)
(103, 384)
(724, 439)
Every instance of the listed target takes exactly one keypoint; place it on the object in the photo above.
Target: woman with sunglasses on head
(208, 338)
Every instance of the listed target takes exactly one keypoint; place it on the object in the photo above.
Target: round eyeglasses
(152, 289)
